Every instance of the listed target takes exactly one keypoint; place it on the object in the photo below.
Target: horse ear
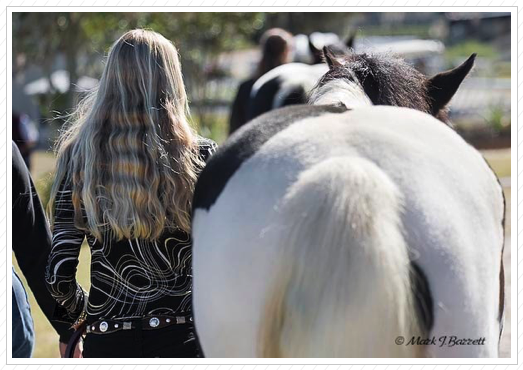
(313, 49)
(331, 60)
(349, 42)
(443, 86)
(316, 53)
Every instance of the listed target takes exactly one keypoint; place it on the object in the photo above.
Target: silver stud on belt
(154, 322)
(104, 326)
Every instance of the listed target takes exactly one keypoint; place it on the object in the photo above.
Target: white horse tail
(342, 287)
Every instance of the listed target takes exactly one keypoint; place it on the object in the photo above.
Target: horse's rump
(250, 224)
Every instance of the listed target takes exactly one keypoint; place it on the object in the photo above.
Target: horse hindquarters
(343, 287)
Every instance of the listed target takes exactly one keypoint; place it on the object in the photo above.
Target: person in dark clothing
(240, 105)
(25, 136)
(125, 178)
(276, 45)
(31, 247)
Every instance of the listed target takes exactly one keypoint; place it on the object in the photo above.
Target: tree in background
(41, 39)
(307, 23)
(82, 39)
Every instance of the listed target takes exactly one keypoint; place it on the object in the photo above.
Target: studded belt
(147, 323)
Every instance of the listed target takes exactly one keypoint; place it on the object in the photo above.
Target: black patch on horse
(296, 96)
(263, 100)
(422, 297)
(244, 143)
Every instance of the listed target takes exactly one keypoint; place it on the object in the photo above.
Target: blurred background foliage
(84, 38)
(77, 43)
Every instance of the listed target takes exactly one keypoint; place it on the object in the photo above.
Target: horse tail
(342, 287)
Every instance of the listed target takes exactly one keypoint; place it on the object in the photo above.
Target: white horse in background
(360, 225)
(290, 84)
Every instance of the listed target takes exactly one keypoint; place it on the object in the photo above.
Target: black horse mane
(386, 79)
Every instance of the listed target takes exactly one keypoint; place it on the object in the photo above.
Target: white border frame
(514, 190)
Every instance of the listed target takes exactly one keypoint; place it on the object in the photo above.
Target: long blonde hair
(129, 152)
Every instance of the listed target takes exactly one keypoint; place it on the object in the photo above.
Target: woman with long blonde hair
(126, 170)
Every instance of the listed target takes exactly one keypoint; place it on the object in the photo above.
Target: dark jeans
(170, 342)
(23, 329)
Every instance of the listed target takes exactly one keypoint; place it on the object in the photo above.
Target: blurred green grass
(468, 47)
(43, 164)
(499, 160)
(212, 125)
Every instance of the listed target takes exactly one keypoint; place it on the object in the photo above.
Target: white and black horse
(357, 226)
(290, 84)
